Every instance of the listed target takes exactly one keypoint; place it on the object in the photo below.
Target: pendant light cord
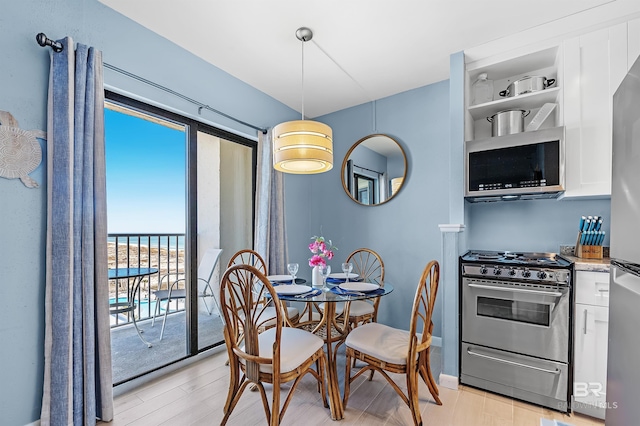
(303, 41)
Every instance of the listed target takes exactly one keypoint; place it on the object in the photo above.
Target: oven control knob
(497, 271)
(526, 273)
(483, 270)
(542, 275)
(512, 272)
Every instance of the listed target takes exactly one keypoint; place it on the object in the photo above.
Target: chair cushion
(339, 307)
(296, 346)
(358, 308)
(380, 341)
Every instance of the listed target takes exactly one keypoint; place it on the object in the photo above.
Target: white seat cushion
(358, 308)
(339, 307)
(296, 346)
(380, 341)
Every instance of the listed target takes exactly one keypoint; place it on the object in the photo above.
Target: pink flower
(322, 251)
(317, 260)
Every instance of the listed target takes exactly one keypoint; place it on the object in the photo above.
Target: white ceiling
(362, 50)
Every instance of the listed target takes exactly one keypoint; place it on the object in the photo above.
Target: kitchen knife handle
(582, 219)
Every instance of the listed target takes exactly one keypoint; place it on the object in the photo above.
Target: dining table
(129, 305)
(324, 322)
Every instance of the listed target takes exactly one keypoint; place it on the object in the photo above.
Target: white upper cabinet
(633, 41)
(594, 65)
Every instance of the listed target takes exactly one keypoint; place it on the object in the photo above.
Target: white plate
(279, 278)
(342, 276)
(292, 289)
(355, 286)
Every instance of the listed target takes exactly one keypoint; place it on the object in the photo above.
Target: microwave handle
(517, 290)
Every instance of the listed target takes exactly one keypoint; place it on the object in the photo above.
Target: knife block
(587, 252)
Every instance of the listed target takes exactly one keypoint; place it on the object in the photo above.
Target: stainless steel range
(516, 311)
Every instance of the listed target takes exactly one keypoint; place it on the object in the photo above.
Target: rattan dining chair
(386, 349)
(370, 268)
(277, 355)
(174, 292)
(253, 258)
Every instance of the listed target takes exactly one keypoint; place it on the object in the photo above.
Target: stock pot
(507, 122)
(527, 84)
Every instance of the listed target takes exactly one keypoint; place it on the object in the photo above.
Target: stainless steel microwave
(521, 166)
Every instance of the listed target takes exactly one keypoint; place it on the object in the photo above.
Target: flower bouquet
(322, 251)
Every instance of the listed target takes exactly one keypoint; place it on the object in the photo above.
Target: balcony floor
(131, 357)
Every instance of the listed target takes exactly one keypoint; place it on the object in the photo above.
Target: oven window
(514, 310)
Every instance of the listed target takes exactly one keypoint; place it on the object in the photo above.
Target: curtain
(270, 237)
(77, 377)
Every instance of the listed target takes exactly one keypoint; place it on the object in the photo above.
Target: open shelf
(527, 101)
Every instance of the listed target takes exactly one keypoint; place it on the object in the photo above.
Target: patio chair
(277, 355)
(175, 292)
(384, 348)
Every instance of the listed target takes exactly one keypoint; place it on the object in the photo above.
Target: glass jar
(482, 90)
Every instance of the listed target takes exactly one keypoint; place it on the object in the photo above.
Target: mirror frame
(346, 159)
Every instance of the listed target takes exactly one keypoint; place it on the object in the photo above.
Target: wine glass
(325, 270)
(346, 268)
(293, 270)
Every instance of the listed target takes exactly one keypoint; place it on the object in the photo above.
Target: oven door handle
(518, 364)
(516, 290)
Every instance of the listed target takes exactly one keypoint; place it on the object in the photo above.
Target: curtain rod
(44, 41)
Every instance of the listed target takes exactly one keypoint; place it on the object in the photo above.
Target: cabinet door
(594, 65)
(590, 360)
(633, 41)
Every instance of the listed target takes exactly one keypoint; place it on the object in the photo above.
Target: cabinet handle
(584, 329)
(603, 290)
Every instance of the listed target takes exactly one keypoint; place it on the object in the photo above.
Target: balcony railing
(162, 251)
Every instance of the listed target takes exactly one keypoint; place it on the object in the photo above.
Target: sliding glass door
(175, 188)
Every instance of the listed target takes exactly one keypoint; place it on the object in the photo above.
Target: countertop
(581, 264)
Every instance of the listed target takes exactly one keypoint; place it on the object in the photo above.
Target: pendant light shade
(302, 146)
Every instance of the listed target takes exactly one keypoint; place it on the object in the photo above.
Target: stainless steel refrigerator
(623, 362)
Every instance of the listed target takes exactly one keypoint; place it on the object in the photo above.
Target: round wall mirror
(374, 170)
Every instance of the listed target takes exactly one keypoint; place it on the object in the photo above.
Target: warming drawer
(519, 376)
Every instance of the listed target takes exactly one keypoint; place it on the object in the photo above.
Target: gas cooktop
(516, 258)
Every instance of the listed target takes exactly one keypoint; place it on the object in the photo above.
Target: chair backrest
(208, 264)
(241, 287)
(248, 257)
(422, 312)
(368, 264)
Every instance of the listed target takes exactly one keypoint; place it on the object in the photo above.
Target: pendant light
(302, 146)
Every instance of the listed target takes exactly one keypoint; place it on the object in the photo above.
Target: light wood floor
(195, 395)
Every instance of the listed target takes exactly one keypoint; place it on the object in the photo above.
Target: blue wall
(533, 225)
(403, 231)
(24, 71)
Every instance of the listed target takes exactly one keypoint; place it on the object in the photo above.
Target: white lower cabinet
(590, 343)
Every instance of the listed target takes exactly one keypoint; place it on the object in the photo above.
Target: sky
(146, 175)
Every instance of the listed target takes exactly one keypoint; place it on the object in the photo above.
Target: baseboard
(436, 341)
(448, 381)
